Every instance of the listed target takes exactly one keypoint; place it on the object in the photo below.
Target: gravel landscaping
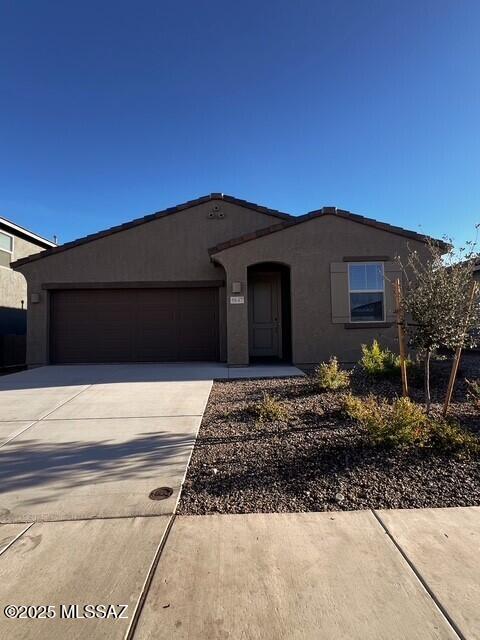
(317, 458)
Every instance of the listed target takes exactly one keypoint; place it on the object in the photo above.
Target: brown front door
(264, 307)
(134, 325)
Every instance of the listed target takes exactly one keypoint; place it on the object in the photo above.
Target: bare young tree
(438, 299)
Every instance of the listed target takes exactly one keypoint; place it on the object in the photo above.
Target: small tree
(437, 297)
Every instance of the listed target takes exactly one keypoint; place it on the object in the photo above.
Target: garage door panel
(85, 327)
(134, 325)
(197, 324)
(155, 337)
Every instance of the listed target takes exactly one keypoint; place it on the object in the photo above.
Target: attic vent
(216, 212)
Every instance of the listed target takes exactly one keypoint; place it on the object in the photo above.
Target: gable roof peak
(321, 213)
(150, 217)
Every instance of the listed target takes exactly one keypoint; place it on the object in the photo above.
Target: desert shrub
(330, 377)
(449, 436)
(269, 409)
(473, 392)
(404, 422)
(377, 361)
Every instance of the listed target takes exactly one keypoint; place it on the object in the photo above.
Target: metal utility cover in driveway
(70, 469)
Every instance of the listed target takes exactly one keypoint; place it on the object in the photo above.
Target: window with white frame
(6, 242)
(366, 287)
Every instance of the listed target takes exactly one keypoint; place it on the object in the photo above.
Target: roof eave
(21, 231)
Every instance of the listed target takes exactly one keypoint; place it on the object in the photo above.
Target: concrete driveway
(81, 447)
(94, 441)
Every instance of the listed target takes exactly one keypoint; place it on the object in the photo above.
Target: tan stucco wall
(309, 249)
(13, 286)
(172, 248)
(13, 289)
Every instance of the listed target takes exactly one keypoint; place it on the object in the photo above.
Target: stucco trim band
(143, 284)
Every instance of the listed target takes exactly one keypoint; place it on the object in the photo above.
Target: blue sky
(111, 110)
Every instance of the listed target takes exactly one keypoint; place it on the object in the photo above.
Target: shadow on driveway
(27, 465)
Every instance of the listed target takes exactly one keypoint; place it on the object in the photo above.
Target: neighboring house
(217, 278)
(15, 243)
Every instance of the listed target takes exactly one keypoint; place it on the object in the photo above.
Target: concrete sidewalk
(102, 561)
(317, 575)
(412, 575)
(443, 546)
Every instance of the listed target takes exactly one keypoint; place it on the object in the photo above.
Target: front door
(264, 307)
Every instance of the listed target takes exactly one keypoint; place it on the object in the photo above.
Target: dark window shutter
(392, 271)
(339, 292)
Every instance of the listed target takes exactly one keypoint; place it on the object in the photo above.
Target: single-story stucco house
(217, 278)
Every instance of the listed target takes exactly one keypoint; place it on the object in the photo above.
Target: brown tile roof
(325, 211)
(148, 218)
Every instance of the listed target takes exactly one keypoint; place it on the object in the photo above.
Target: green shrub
(269, 409)
(405, 423)
(473, 392)
(379, 362)
(330, 377)
(449, 436)
(402, 422)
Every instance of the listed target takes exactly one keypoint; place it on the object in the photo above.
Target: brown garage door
(134, 325)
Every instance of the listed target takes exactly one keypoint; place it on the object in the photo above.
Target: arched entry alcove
(269, 312)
